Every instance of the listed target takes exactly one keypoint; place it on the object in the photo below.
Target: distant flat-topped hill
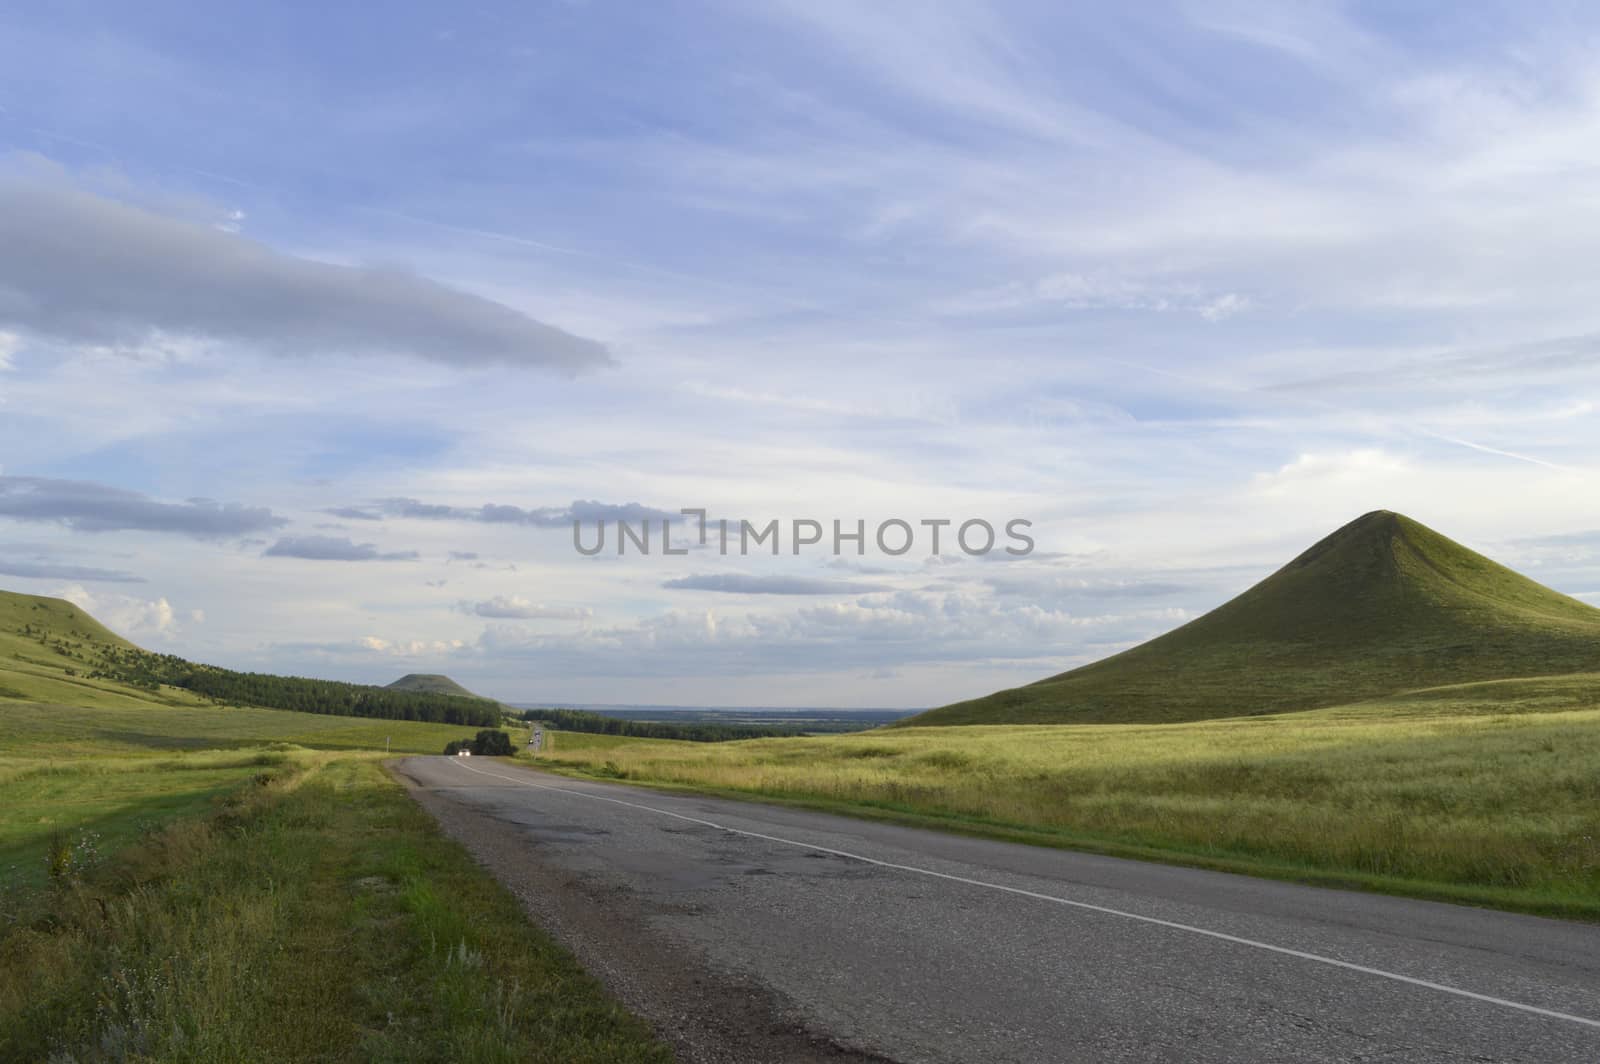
(1381, 606)
(430, 683)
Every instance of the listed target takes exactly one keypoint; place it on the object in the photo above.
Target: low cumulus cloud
(897, 630)
(131, 616)
(753, 584)
(81, 268)
(84, 506)
(588, 511)
(406, 648)
(515, 607)
(334, 549)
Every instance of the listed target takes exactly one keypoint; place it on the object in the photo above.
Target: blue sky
(1186, 285)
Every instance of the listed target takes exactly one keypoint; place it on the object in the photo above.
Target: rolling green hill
(52, 652)
(431, 683)
(49, 648)
(1383, 605)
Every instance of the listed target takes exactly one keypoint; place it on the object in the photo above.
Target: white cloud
(1224, 306)
(128, 616)
(408, 648)
(922, 261)
(1367, 467)
(515, 607)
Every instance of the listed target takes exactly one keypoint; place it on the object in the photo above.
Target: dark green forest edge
(578, 720)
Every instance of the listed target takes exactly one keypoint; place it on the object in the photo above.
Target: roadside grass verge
(1456, 795)
(316, 914)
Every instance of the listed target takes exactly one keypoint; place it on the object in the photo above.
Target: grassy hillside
(48, 648)
(1484, 793)
(1381, 606)
(50, 651)
(431, 683)
(56, 616)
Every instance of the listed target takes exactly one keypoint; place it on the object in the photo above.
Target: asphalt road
(750, 932)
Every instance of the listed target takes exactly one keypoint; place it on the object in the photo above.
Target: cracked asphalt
(749, 932)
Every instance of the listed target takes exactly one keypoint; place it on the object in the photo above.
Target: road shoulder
(709, 1016)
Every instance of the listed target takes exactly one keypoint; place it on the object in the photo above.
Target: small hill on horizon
(1383, 605)
(432, 683)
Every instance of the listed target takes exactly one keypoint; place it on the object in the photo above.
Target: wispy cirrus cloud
(1190, 284)
(1091, 291)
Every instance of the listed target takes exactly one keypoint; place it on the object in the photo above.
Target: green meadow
(34, 730)
(109, 770)
(1483, 793)
(182, 880)
(312, 912)
(189, 882)
(108, 802)
(267, 901)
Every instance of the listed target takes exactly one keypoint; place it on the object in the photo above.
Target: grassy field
(1486, 793)
(189, 884)
(1383, 605)
(34, 730)
(184, 881)
(107, 802)
(316, 914)
(113, 769)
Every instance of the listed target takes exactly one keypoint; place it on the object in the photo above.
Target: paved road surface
(751, 932)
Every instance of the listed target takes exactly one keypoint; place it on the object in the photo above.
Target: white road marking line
(1173, 924)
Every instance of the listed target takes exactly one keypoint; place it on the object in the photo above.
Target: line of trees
(490, 742)
(140, 668)
(578, 720)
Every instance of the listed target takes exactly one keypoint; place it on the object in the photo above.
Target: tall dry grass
(1447, 796)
